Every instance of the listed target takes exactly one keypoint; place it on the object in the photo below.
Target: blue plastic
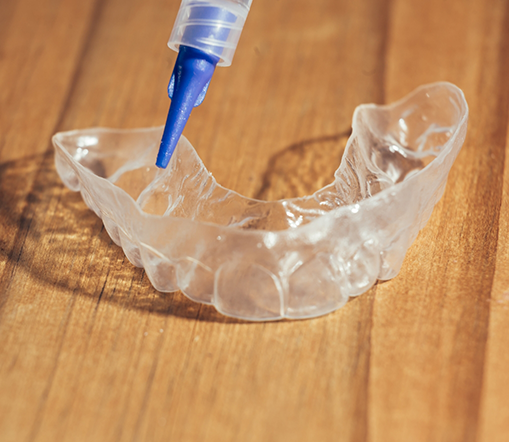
(192, 73)
(188, 85)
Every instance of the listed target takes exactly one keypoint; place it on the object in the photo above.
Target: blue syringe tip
(187, 88)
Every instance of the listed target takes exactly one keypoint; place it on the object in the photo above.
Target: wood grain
(89, 351)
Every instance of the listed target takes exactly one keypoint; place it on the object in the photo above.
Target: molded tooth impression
(259, 260)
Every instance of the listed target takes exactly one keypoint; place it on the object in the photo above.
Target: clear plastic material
(259, 260)
(212, 26)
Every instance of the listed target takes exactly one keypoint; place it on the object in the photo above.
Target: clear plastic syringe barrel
(212, 26)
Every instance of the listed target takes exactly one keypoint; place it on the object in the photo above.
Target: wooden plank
(90, 351)
(434, 335)
(40, 47)
(494, 415)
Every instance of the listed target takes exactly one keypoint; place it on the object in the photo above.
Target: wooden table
(89, 351)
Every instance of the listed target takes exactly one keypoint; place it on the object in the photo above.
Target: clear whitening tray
(267, 260)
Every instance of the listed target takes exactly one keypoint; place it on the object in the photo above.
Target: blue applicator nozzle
(187, 88)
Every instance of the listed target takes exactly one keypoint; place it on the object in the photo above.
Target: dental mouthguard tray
(268, 260)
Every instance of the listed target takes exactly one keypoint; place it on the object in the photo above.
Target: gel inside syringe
(205, 34)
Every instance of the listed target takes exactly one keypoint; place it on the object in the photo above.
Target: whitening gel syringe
(205, 34)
